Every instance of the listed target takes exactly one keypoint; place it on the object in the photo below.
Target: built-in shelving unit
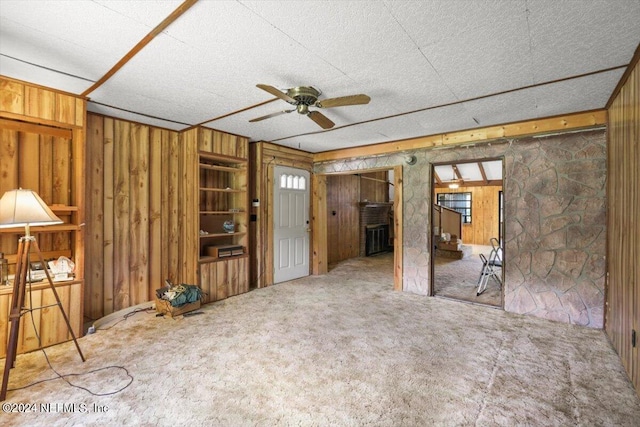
(43, 150)
(222, 214)
(223, 200)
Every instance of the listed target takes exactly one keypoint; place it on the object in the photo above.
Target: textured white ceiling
(423, 63)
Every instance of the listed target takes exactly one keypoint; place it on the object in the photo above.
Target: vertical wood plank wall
(484, 213)
(622, 311)
(188, 203)
(42, 148)
(343, 217)
(133, 217)
(263, 157)
(143, 215)
(319, 253)
(374, 186)
(398, 228)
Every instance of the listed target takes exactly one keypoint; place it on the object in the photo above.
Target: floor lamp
(20, 208)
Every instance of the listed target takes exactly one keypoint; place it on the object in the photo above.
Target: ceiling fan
(304, 97)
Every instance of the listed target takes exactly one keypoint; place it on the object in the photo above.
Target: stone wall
(555, 221)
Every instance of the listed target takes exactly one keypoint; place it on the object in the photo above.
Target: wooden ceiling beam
(456, 172)
(465, 184)
(141, 44)
(482, 172)
(436, 177)
(583, 120)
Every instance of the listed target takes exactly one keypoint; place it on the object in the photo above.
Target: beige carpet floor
(458, 279)
(341, 349)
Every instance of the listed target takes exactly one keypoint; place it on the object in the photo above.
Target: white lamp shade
(20, 208)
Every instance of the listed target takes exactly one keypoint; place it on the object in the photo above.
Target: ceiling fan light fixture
(454, 185)
(303, 97)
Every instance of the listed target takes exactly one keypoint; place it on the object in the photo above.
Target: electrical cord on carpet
(126, 316)
(64, 377)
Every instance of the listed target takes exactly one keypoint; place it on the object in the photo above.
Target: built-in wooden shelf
(222, 158)
(60, 209)
(222, 212)
(63, 208)
(221, 168)
(43, 229)
(206, 259)
(210, 235)
(222, 190)
(44, 284)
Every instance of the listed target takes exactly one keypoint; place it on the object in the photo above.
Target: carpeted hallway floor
(458, 279)
(341, 349)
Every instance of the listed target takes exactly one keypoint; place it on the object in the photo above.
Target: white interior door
(291, 223)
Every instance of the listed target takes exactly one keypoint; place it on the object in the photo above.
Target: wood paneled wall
(188, 207)
(484, 213)
(622, 312)
(374, 186)
(142, 218)
(42, 148)
(343, 217)
(133, 214)
(36, 104)
(263, 156)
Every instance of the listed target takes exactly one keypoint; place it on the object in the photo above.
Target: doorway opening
(467, 239)
(352, 206)
(359, 215)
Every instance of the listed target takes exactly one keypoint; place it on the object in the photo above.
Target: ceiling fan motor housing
(304, 96)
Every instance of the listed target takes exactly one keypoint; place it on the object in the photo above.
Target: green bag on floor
(185, 294)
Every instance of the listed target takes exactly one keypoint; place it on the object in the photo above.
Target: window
(459, 202)
(293, 182)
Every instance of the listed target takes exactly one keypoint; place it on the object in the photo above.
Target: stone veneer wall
(555, 221)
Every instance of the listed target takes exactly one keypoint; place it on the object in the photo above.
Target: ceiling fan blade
(275, 92)
(268, 116)
(343, 100)
(321, 120)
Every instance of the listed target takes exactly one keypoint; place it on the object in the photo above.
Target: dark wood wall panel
(343, 217)
(622, 313)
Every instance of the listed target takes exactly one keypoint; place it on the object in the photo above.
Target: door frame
(319, 221)
(430, 239)
(274, 184)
